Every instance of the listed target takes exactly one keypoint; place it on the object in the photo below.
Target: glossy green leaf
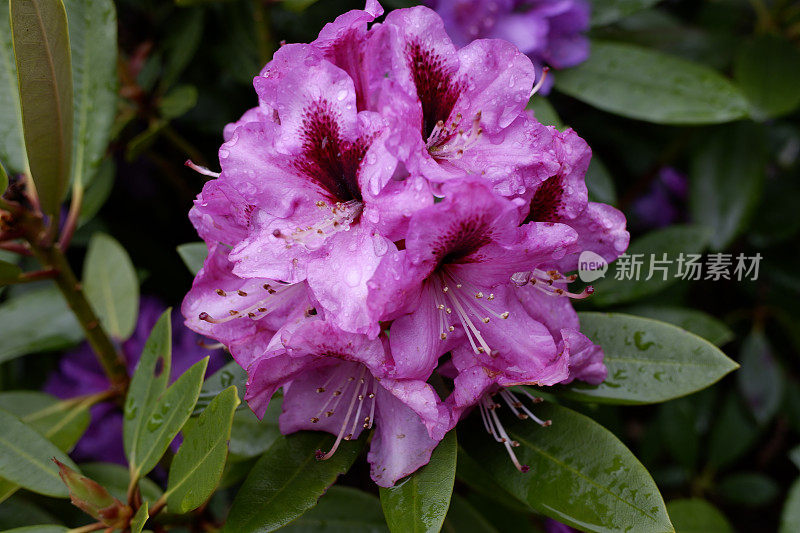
(692, 320)
(111, 285)
(463, 517)
(790, 517)
(9, 272)
(648, 361)
(580, 473)
(420, 502)
(166, 418)
(197, 467)
(608, 11)
(600, 184)
(749, 489)
(677, 421)
(697, 516)
(767, 69)
(760, 379)
(93, 39)
(625, 283)
(287, 481)
(148, 383)
(140, 518)
(641, 83)
(25, 458)
(471, 473)
(115, 478)
(726, 179)
(44, 73)
(12, 141)
(194, 255)
(181, 44)
(341, 510)
(36, 321)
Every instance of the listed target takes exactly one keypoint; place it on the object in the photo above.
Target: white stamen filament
(274, 296)
(491, 421)
(450, 142)
(452, 295)
(200, 169)
(341, 215)
(550, 282)
(538, 84)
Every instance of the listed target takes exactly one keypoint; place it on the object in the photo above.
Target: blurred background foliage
(185, 69)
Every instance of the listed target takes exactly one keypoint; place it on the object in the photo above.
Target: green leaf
(748, 489)
(19, 512)
(463, 517)
(194, 255)
(166, 418)
(544, 112)
(178, 101)
(62, 422)
(732, 434)
(37, 321)
(697, 516)
(230, 374)
(790, 517)
(648, 251)
(677, 422)
(115, 478)
(25, 458)
(287, 481)
(640, 83)
(197, 467)
(648, 361)
(42, 53)
(139, 519)
(767, 69)
(420, 502)
(98, 190)
(341, 510)
(726, 178)
(3, 179)
(9, 272)
(760, 379)
(111, 285)
(93, 39)
(599, 182)
(580, 473)
(181, 44)
(692, 320)
(250, 437)
(471, 473)
(148, 383)
(12, 141)
(608, 11)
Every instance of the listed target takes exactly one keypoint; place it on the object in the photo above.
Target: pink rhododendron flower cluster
(390, 210)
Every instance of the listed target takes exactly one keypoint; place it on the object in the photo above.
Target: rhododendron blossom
(389, 210)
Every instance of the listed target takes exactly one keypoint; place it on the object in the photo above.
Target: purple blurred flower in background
(550, 32)
(552, 526)
(664, 203)
(80, 374)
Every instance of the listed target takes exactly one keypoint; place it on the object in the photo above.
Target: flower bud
(94, 499)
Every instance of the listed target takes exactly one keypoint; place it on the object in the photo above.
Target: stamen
(341, 215)
(547, 283)
(340, 436)
(539, 83)
(260, 307)
(450, 143)
(202, 170)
